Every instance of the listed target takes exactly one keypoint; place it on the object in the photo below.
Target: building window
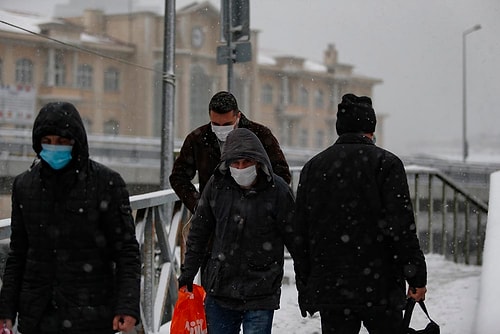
(199, 97)
(55, 74)
(303, 137)
(84, 76)
(111, 80)
(60, 70)
(111, 127)
(24, 71)
(319, 99)
(267, 94)
(303, 97)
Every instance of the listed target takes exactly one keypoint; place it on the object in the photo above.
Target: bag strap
(422, 306)
(410, 305)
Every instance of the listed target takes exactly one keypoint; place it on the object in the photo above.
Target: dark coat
(249, 228)
(201, 153)
(73, 245)
(359, 241)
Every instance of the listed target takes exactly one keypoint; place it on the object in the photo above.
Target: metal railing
(443, 213)
(450, 221)
(157, 232)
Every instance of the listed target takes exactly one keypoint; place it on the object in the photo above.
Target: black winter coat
(73, 245)
(249, 227)
(201, 153)
(355, 216)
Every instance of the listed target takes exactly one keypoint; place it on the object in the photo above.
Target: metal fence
(443, 211)
(450, 221)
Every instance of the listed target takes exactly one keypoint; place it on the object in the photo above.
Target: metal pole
(230, 45)
(465, 145)
(168, 99)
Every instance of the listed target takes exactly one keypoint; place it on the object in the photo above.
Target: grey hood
(242, 143)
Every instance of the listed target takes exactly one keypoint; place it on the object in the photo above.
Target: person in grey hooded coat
(244, 220)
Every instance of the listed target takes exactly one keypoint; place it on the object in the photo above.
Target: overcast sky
(414, 46)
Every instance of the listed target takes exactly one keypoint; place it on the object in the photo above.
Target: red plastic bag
(189, 312)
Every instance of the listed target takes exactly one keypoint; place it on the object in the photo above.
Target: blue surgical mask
(57, 156)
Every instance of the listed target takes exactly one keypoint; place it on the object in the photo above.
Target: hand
(185, 281)
(123, 323)
(6, 325)
(417, 294)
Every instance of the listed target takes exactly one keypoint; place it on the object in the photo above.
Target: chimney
(330, 58)
(93, 21)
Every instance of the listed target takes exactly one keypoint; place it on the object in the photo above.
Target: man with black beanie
(359, 245)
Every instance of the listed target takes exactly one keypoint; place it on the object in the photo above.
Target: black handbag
(431, 328)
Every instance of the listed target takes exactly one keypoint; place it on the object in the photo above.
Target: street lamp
(465, 146)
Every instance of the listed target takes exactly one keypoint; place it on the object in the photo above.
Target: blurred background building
(109, 63)
(106, 57)
(110, 67)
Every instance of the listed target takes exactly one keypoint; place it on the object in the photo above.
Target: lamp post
(465, 145)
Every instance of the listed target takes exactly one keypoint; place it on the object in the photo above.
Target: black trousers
(348, 321)
(51, 323)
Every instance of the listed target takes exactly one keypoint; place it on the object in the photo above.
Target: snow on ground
(452, 296)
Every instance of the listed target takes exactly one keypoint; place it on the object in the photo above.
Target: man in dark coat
(201, 150)
(355, 216)
(74, 261)
(248, 210)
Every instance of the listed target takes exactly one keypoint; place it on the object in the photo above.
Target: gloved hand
(186, 281)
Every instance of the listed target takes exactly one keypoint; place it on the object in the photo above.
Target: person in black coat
(247, 211)
(74, 262)
(359, 244)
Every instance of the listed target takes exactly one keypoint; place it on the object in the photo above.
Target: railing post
(466, 233)
(429, 216)
(416, 206)
(444, 238)
(479, 238)
(455, 224)
(149, 273)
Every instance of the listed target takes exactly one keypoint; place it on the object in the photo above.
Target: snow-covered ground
(452, 296)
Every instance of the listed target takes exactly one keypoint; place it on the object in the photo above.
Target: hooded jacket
(355, 218)
(249, 227)
(201, 153)
(73, 248)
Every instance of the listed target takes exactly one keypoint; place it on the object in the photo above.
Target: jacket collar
(354, 138)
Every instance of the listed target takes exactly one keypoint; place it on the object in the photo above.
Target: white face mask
(221, 131)
(245, 176)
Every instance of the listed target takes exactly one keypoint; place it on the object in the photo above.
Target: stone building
(110, 67)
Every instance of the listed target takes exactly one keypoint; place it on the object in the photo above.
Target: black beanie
(355, 114)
